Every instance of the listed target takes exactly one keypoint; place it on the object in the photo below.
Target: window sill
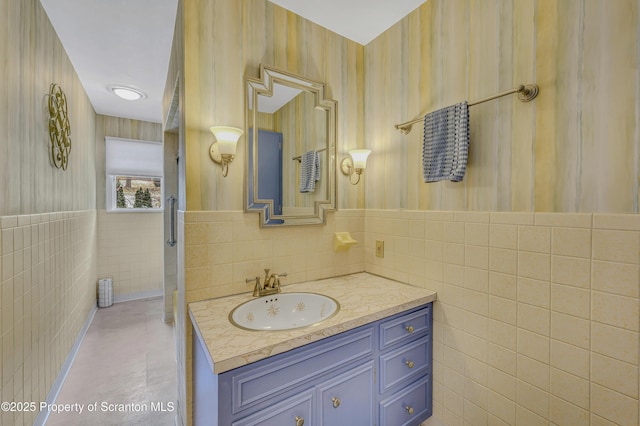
(136, 211)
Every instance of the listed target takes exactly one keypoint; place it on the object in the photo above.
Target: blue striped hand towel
(445, 147)
(309, 171)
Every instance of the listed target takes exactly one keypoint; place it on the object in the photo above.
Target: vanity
(370, 363)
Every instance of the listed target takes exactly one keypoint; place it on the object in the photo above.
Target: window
(133, 175)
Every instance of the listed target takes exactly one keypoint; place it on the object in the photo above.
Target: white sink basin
(284, 311)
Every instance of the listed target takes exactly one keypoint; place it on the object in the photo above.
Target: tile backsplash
(538, 314)
(223, 248)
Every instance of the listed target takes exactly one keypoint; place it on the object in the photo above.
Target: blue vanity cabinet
(378, 374)
(406, 351)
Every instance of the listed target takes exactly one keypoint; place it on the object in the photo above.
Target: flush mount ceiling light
(127, 93)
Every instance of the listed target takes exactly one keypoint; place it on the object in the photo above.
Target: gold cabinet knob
(409, 364)
(409, 329)
(409, 409)
(336, 402)
(299, 421)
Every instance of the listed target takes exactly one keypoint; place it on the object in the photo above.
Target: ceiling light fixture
(127, 93)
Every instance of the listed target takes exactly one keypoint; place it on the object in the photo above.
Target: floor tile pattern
(126, 364)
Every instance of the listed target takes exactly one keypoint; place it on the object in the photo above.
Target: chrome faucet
(270, 285)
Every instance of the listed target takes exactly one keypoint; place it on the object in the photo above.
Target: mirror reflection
(291, 149)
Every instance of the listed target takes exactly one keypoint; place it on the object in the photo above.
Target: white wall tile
(534, 265)
(616, 246)
(534, 238)
(570, 358)
(617, 375)
(571, 300)
(533, 372)
(615, 342)
(570, 329)
(534, 292)
(614, 406)
(534, 319)
(616, 278)
(619, 311)
(570, 388)
(503, 285)
(572, 242)
(563, 413)
(502, 383)
(503, 236)
(46, 276)
(571, 271)
(533, 345)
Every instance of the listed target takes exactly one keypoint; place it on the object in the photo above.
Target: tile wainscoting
(48, 272)
(537, 318)
(130, 250)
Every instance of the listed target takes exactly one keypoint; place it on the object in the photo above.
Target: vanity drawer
(265, 379)
(404, 364)
(293, 411)
(409, 407)
(405, 328)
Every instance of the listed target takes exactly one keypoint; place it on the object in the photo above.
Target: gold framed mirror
(291, 149)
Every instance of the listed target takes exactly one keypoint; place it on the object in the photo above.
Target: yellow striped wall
(574, 149)
(32, 59)
(227, 40)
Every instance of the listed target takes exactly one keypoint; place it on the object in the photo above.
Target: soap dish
(343, 241)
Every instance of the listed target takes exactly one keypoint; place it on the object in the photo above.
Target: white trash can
(105, 293)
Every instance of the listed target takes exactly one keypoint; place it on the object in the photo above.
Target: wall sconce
(355, 164)
(224, 149)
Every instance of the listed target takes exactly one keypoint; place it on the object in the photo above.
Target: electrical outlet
(379, 248)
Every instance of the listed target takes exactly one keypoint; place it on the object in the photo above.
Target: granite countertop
(363, 298)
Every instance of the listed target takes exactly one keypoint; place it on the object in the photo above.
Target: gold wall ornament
(59, 128)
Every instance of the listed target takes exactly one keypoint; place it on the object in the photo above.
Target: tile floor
(127, 357)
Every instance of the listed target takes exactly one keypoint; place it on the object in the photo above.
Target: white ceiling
(357, 20)
(128, 43)
(118, 42)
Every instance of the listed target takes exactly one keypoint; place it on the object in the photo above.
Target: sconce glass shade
(355, 164)
(227, 138)
(360, 157)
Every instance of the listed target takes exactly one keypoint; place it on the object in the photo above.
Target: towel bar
(299, 157)
(525, 93)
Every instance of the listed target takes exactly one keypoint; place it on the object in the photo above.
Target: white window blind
(130, 157)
